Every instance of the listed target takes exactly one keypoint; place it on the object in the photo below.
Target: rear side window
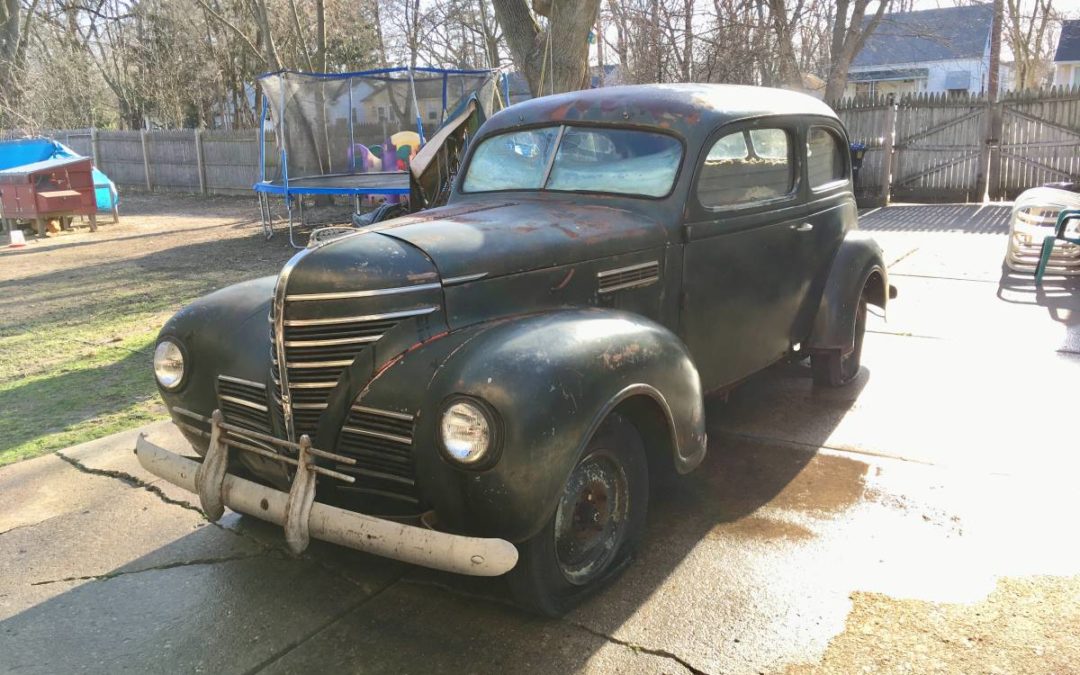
(824, 157)
(748, 166)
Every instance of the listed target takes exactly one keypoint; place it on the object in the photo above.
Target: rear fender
(858, 265)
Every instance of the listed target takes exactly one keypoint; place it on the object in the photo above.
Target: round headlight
(168, 364)
(466, 431)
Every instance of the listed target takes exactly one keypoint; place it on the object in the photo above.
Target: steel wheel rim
(592, 518)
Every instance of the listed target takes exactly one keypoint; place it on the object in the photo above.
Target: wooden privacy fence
(184, 160)
(931, 147)
(924, 147)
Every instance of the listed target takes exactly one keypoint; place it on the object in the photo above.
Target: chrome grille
(244, 403)
(317, 351)
(632, 276)
(381, 443)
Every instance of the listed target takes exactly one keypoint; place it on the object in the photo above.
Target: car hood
(507, 237)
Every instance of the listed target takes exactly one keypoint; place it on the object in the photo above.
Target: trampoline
(353, 134)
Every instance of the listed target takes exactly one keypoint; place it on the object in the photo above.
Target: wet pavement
(920, 520)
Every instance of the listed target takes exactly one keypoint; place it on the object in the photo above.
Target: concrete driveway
(922, 519)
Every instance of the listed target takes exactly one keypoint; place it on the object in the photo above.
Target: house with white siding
(1067, 56)
(944, 50)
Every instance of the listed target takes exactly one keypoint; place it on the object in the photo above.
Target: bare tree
(1027, 28)
(14, 36)
(850, 28)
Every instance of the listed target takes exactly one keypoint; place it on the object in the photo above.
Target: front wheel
(597, 525)
(833, 369)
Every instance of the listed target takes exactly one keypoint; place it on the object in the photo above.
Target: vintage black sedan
(490, 386)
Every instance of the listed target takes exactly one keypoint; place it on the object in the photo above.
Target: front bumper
(302, 517)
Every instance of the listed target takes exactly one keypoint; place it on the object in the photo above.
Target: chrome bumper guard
(302, 516)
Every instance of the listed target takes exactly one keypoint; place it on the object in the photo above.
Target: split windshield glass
(576, 159)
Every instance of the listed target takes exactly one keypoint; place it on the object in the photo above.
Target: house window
(1076, 76)
(432, 115)
(383, 114)
(746, 167)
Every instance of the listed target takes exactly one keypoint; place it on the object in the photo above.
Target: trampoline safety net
(355, 123)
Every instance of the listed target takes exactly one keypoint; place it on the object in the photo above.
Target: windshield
(586, 159)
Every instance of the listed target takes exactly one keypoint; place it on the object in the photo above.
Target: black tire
(831, 369)
(565, 563)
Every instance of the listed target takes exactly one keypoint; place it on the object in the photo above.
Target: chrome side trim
(630, 284)
(463, 279)
(404, 440)
(359, 319)
(240, 401)
(629, 268)
(237, 380)
(317, 364)
(334, 341)
(313, 385)
(301, 297)
(384, 413)
(306, 406)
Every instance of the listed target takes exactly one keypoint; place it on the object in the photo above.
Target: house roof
(928, 35)
(1068, 48)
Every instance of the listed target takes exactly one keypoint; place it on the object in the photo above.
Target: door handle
(803, 227)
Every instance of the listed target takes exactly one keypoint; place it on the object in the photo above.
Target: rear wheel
(595, 529)
(833, 369)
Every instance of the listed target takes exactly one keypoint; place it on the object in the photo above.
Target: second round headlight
(466, 432)
(169, 364)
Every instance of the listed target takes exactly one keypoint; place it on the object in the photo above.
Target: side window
(744, 167)
(824, 157)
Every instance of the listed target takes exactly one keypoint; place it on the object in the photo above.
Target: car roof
(690, 110)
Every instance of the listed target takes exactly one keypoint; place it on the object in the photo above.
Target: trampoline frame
(293, 192)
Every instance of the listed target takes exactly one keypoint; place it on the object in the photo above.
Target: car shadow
(347, 610)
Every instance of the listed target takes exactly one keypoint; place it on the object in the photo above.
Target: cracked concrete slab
(129, 530)
(47, 487)
(413, 628)
(116, 455)
(826, 529)
(1010, 313)
(943, 402)
(228, 617)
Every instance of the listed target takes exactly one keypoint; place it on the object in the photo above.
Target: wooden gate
(937, 147)
(1039, 141)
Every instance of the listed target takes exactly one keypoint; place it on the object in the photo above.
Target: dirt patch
(1024, 626)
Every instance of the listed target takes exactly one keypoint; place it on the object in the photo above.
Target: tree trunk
(995, 52)
(848, 37)
(320, 36)
(564, 66)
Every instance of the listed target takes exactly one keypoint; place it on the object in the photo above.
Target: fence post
(887, 149)
(145, 159)
(95, 150)
(993, 141)
(200, 161)
(988, 177)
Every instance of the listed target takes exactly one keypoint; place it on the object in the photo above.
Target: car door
(831, 211)
(742, 272)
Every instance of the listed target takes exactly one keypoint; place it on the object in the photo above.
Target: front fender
(225, 332)
(552, 378)
(858, 265)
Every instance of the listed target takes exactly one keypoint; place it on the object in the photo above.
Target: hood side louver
(632, 276)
